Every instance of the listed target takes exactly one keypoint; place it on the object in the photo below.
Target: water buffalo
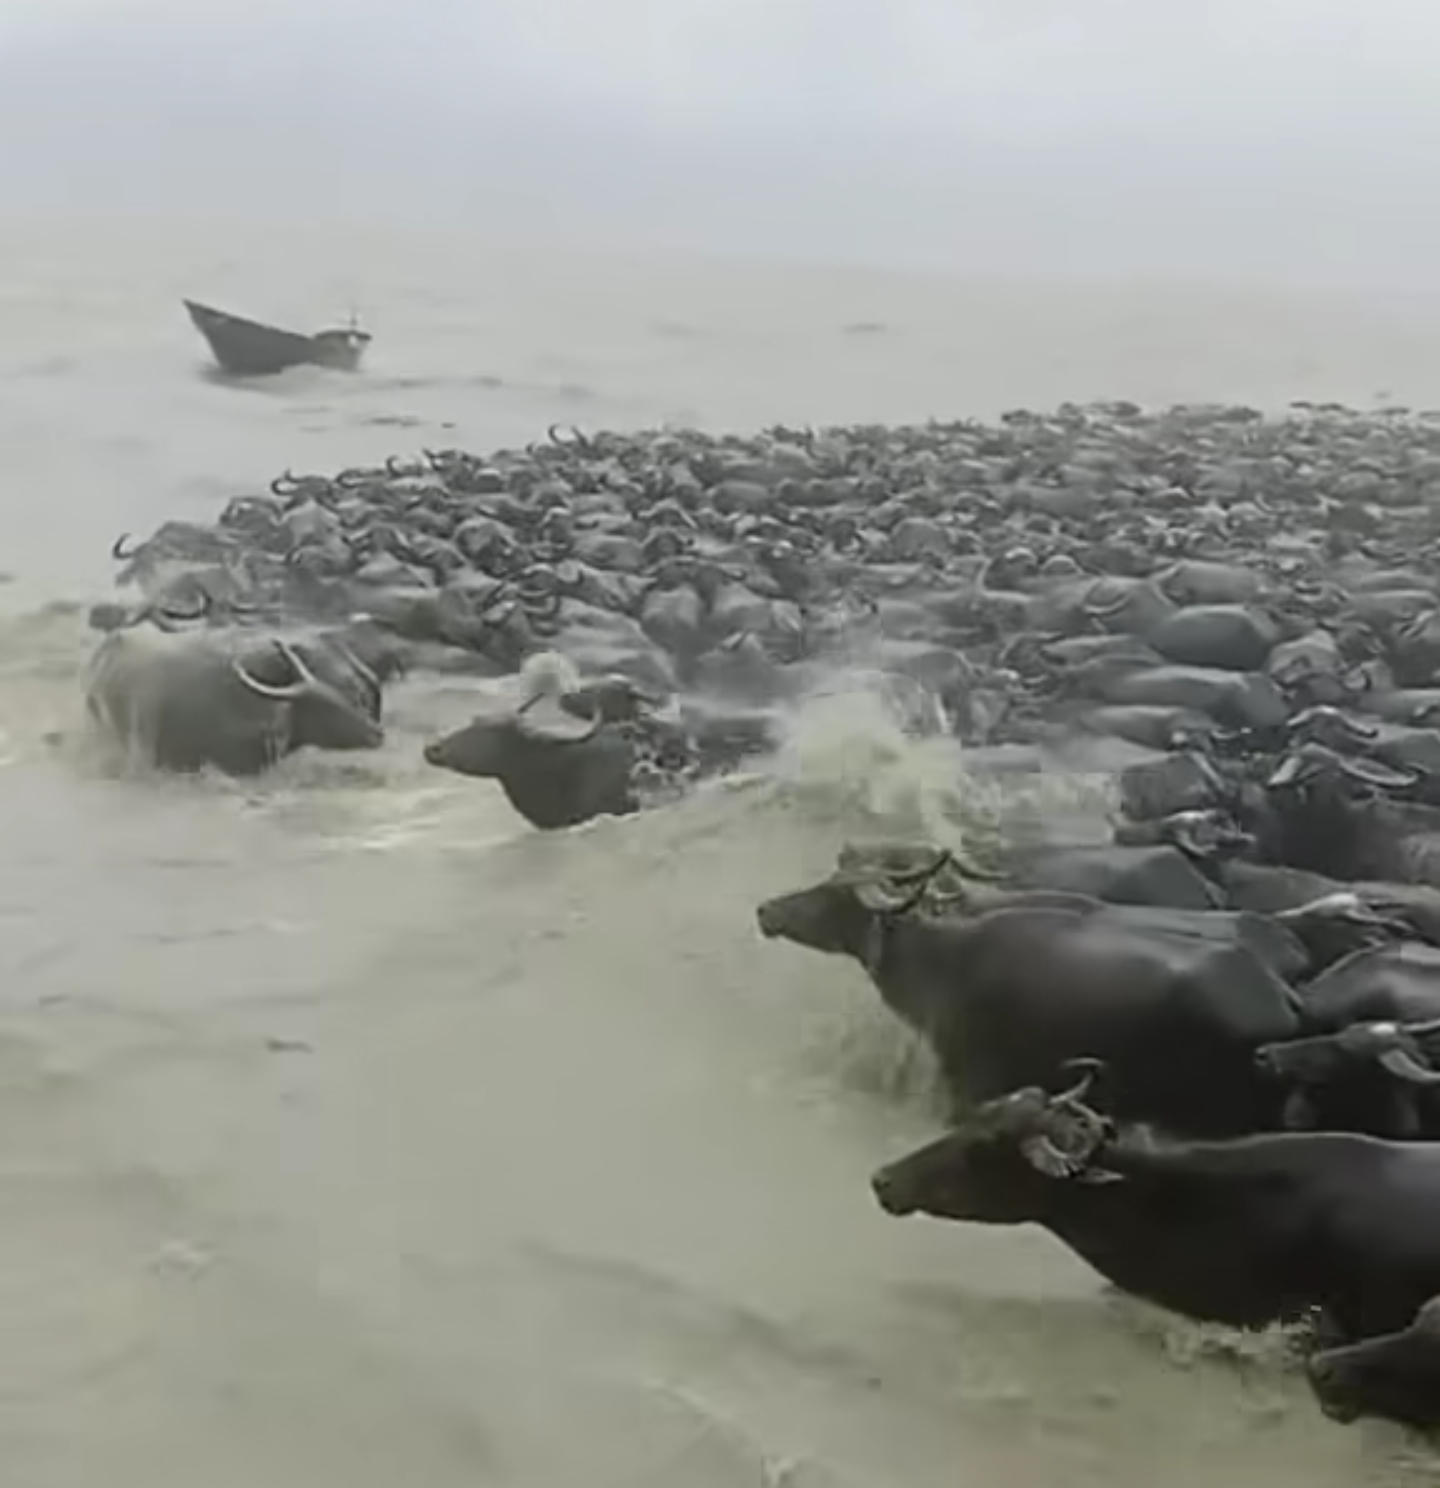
(1395, 1376)
(1232, 637)
(1373, 1077)
(1370, 1018)
(1247, 1232)
(555, 754)
(1234, 699)
(1324, 815)
(232, 700)
(1175, 1001)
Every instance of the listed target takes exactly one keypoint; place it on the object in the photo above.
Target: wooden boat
(247, 348)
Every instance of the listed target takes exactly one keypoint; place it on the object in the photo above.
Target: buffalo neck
(911, 959)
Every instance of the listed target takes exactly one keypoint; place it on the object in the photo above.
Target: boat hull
(248, 348)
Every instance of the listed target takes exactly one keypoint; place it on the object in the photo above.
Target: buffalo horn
(1103, 608)
(1382, 777)
(1401, 1063)
(305, 680)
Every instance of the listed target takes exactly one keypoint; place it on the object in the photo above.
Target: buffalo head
(836, 914)
(1322, 1059)
(558, 769)
(493, 745)
(1335, 924)
(1318, 800)
(321, 713)
(1395, 1376)
(1312, 767)
(1000, 1164)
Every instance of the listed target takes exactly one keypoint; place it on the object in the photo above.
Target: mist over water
(351, 1131)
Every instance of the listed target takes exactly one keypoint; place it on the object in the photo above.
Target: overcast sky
(1168, 135)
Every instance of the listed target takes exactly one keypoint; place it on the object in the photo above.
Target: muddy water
(349, 1130)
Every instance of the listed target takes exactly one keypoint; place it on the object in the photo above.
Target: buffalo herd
(1200, 1046)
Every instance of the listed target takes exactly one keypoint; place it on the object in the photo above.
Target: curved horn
(1101, 610)
(543, 717)
(367, 672)
(285, 484)
(1401, 1063)
(1327, 714)
(1294, 768)
(894, 892)
(117, 549)
(160, 612)
(926, 871)
(885, 897)
(1382, 777)
(1020, 1114)
(305, 680)
(1070, 1133)
(1087, 1070)
(1057, 1143)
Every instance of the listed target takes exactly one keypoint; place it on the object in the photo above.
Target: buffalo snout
(1328, 1379)
(477, 749)
(771, 918)
(893, 1194)
(825, 917)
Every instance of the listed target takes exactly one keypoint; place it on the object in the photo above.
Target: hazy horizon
(1278, 142)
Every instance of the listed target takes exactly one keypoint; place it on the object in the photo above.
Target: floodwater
(350, 1132)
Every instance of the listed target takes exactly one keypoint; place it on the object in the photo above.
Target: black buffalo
(1373, 1077)
(1395, 1376)
(1247, 1232)
(1007, 991)
(1335, 815)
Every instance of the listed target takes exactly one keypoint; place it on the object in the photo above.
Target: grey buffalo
(561, 754)
(232, 700)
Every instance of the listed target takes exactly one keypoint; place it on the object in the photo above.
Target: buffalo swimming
(1202, 1045)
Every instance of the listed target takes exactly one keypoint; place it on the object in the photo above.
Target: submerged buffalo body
(239, 704)
(568, 750)
(556, 768)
